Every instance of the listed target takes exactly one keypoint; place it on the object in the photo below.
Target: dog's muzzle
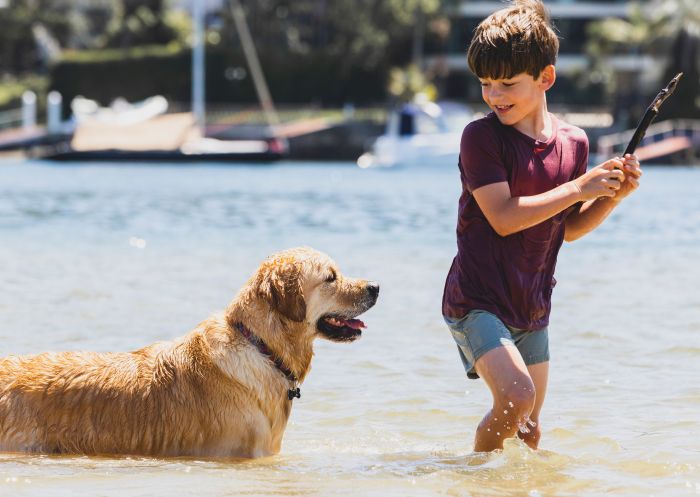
(345, 327)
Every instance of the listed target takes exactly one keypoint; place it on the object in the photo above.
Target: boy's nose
(493, 93)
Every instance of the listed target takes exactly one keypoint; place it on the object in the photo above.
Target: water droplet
(505, 411)
(498, 433)
(510, 404)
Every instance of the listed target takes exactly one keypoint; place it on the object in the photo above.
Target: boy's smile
(519, 101)
(502, 109)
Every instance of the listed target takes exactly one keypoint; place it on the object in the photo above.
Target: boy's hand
(604, 180)
(632, 172)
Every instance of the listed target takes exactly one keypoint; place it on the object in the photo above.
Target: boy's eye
(506, 84)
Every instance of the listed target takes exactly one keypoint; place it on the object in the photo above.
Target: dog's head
(305, 286)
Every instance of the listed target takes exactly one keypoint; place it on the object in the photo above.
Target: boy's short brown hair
(516, 39)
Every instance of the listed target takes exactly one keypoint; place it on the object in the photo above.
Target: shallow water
(104, 257)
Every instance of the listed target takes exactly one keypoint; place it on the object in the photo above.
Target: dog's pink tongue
(355, 324)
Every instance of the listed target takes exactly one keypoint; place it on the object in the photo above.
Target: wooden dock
(664, 141)
(18, 138)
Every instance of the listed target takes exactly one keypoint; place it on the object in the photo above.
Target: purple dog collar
(262, 347)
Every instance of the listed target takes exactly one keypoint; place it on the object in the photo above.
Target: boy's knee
(519, 399)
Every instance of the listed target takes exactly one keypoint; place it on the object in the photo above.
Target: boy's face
(516, 99)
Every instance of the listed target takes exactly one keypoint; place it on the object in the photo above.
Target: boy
(525, 191)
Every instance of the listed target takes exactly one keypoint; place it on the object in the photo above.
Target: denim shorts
(480, 331)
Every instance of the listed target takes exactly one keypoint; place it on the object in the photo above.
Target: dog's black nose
(373, 289)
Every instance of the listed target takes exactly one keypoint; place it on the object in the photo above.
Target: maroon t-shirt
(510, 276)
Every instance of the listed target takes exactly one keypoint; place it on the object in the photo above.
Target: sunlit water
(112, 258)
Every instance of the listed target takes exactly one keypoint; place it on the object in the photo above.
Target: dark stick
(650, 114)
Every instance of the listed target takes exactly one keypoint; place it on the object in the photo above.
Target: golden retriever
(223, 390)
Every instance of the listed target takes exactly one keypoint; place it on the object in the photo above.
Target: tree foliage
(405, 83)
(668, 28)
(19, 51)
(26, 25)
(328, 41)
(139, 22)
(365, 33)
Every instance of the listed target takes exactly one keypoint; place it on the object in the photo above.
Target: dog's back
(165, 399)
(85, 402)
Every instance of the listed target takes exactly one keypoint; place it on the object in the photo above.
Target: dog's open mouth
(340, 329)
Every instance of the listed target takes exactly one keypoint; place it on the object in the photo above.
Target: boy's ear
(548, 77)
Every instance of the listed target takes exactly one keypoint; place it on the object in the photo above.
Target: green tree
(139, 22)
(668, 28)
(19, 50)
(364, 33)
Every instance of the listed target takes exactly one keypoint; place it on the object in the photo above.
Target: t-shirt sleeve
(581, 168)
(582, 165)
(480, 156)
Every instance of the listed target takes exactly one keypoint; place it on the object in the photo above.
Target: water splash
(525, 425)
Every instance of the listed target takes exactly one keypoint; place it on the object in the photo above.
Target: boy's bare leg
(513, 392)
(539, 374)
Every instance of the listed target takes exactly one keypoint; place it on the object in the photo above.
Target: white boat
(120, 112)
(420, 134)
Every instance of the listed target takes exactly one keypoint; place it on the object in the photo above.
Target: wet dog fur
(210, 393)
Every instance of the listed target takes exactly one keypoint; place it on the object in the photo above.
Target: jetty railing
(10, 118)
(686, 129)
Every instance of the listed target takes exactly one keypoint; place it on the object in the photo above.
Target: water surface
(113, 257)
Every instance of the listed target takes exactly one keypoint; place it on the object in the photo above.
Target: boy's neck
(537, 125)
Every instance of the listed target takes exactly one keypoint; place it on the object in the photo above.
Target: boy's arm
(508, 215)
(588, 217)
(592, 213)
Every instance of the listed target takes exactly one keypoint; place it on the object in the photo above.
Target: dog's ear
(279, 284)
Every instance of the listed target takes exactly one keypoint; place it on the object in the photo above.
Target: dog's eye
(331, 277)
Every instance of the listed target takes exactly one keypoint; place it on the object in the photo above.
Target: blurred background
(316, 79)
